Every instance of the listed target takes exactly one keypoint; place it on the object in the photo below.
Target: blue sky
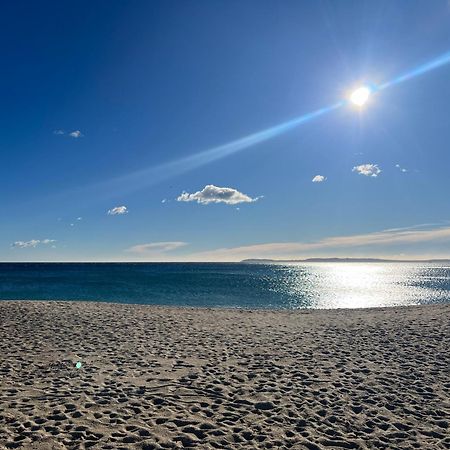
(116, 119)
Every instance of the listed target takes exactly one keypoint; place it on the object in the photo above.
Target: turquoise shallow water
(306, 285)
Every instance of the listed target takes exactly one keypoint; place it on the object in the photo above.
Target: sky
(222, 130)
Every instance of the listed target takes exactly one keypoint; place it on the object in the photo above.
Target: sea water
(236, 285)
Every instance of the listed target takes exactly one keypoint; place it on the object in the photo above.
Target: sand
(154, 377)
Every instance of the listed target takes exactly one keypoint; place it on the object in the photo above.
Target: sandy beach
(155, 377)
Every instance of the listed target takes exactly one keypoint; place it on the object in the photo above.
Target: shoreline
(228, 308)
(157, 377)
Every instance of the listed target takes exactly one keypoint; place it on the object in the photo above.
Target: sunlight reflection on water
(359, 285)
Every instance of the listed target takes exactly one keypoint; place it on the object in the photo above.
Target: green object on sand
(78, 365)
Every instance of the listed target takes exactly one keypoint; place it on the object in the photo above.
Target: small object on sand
(78, 365)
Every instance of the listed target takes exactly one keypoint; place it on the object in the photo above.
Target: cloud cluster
(156, 247)
(215, 194)
(32, 243)
(319, 179)
(74, 134)
(368, 170)
(402, 169)
(117, 210)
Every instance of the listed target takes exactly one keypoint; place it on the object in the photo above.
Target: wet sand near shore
(159, 378)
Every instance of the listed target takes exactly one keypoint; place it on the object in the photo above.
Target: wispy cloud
(319, 179)
(402, 169)
(32, 243)
(369, 170)
(73, 134)
(156, 247)
(215, 194)
(292, 250)
(117, 210)
(48, 241)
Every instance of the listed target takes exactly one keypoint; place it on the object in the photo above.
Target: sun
(360, 96)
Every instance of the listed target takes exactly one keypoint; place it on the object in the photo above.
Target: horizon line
(245, 260)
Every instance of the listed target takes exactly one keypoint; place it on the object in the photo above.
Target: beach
(104, 375)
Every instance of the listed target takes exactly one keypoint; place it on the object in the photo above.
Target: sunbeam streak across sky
(155, 174)
(420, 70)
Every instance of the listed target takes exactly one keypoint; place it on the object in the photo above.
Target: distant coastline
(344, 260)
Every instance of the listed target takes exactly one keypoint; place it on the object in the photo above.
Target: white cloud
(32, 243)
(215, 194)
(118, 210)
(318, 179)
(156, 247)
(75, 134)
(47, 241)
(164, 200)
(26, 244)
(369, 170)
(403, 170)
(79, 218)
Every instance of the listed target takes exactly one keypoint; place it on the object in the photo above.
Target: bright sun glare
(360, 96)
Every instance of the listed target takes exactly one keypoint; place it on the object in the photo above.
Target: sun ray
(155, 174)
(420, 70)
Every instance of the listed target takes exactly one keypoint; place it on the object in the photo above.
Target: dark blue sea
(291, 286)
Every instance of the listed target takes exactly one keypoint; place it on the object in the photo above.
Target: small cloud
(368, 170)
(156, 247)
(47, 241)
(26, 244)
(79, 218)
(403, 170)
(164, 200)
(71, 224)
(319, 179)
(32, 244)
(118, 210)
(215, 194)
(76, 134)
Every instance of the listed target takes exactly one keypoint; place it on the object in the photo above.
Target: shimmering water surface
(305, 285)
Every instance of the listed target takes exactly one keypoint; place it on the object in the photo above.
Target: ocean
(235, 285)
